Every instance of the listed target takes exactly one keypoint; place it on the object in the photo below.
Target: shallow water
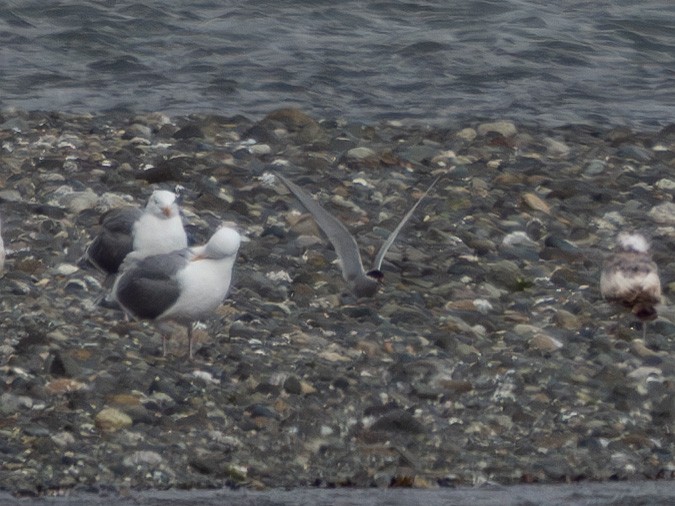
(599, 62)
(647, 493)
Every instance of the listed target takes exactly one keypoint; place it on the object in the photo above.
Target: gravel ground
(487, 357)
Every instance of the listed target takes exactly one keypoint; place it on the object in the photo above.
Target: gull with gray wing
(156, 229)
(182, 286)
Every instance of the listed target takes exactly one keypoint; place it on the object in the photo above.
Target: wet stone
(292, 385)
(398, 421)
(112, 420)
(137, 130)
(291, 118)
(189, 132)
(595, 167)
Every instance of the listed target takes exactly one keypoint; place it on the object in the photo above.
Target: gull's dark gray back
(114, 241)
(148, 287)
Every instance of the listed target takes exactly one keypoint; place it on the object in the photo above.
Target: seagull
(181, 286)
(156, 229)
(362, 283)
(631, 278)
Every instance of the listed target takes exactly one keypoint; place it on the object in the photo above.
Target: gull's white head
(632, 242)
(224, 243)
(162, 203)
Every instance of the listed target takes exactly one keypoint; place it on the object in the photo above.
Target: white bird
(157, 229)
(631, 278)
(362, 283)
(181, 286)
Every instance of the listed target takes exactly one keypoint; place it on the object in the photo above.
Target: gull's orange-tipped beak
(197, 253)
(167, 211)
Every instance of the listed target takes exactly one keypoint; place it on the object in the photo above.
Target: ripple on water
(585, 62)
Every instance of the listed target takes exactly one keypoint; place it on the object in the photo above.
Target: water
(602, 62)
(648, 493)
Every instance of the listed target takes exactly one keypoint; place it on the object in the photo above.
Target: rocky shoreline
(488, 356)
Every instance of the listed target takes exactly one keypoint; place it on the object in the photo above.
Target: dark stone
(292, 385)
(398, 421)
(190, 131)
(62, 364)
(171, 169)
(259, 410)
(261, 133)
(267, 389)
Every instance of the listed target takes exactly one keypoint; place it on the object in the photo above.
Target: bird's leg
(164, 339)
(189, 336)
(644, 330)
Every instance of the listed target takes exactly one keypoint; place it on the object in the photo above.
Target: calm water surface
(648, 493)
(593, 61)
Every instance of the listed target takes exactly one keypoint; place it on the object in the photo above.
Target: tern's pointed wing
(343, 242)
(377, 264)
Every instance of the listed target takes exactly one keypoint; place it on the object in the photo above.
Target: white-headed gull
(181, 286)
(156, 229)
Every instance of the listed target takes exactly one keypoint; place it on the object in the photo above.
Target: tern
(361, 283)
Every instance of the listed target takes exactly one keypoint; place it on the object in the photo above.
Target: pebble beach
(488, 357)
